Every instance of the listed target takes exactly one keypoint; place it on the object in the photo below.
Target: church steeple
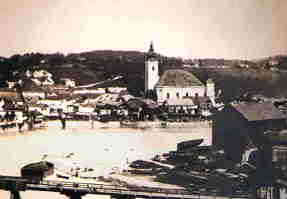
(151, 69)
(151, 53)
(151, 50)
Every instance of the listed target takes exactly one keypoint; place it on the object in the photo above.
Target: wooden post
(74, 195)
(114, 196)
(276, 192)
(15, 195)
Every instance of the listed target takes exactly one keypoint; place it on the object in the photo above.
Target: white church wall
(210, 90)
(164, 93)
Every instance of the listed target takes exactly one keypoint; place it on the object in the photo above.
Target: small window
(167, 95)
(177, 95)
(153, 68)
(186, 94)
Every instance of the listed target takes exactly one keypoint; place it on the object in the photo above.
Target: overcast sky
(190, 28)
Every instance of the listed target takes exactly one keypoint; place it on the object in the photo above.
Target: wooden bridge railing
(76, 190)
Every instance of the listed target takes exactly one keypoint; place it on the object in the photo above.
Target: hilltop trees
(86, 67)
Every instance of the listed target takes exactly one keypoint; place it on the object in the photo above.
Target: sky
(246, 29)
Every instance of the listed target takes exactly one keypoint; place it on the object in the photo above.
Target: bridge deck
(103, 189)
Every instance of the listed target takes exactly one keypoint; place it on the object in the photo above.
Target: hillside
(280, 61)
(94, 66)
(235, 82)
(85, 67)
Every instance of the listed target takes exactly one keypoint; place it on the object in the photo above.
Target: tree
(57, 59)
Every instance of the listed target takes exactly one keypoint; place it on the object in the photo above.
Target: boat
(129, 124)
(183, 146)
(62, 175)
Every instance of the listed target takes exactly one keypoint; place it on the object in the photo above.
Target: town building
(35, 92)
(174, 84)
(237, 126)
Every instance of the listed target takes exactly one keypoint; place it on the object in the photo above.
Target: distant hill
(93, 66)
(85, 67)
(235, 82)
(280, 61)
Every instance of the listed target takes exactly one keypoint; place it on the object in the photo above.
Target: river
(97, 148)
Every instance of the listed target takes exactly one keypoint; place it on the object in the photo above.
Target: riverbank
(76, 126)
(165, 124)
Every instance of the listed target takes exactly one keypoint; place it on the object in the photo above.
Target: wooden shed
(237, 125)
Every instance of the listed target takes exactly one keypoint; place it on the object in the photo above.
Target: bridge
(75, 190)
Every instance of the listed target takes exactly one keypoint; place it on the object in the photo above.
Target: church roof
(178, 78)
(180, 102)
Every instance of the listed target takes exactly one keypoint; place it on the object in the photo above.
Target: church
(174, 84)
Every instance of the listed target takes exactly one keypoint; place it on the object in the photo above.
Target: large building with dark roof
(174, 84)
(178, 84)
(238, 125)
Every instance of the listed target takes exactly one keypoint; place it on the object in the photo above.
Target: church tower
(151, 69)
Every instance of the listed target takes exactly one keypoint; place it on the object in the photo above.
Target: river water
(97, 148)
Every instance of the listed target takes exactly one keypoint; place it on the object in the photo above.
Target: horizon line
(134, 50)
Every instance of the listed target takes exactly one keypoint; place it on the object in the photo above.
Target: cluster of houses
(180, 96)
(118, 106)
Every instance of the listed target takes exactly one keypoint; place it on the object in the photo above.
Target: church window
(177, 95)
(167, 95)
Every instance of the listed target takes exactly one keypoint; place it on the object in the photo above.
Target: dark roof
(38, 166)
(179, 78)
(259, 111)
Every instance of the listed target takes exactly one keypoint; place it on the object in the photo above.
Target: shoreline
(74, 125)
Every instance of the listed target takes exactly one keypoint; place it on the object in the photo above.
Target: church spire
(151, 53)
(151, 50)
